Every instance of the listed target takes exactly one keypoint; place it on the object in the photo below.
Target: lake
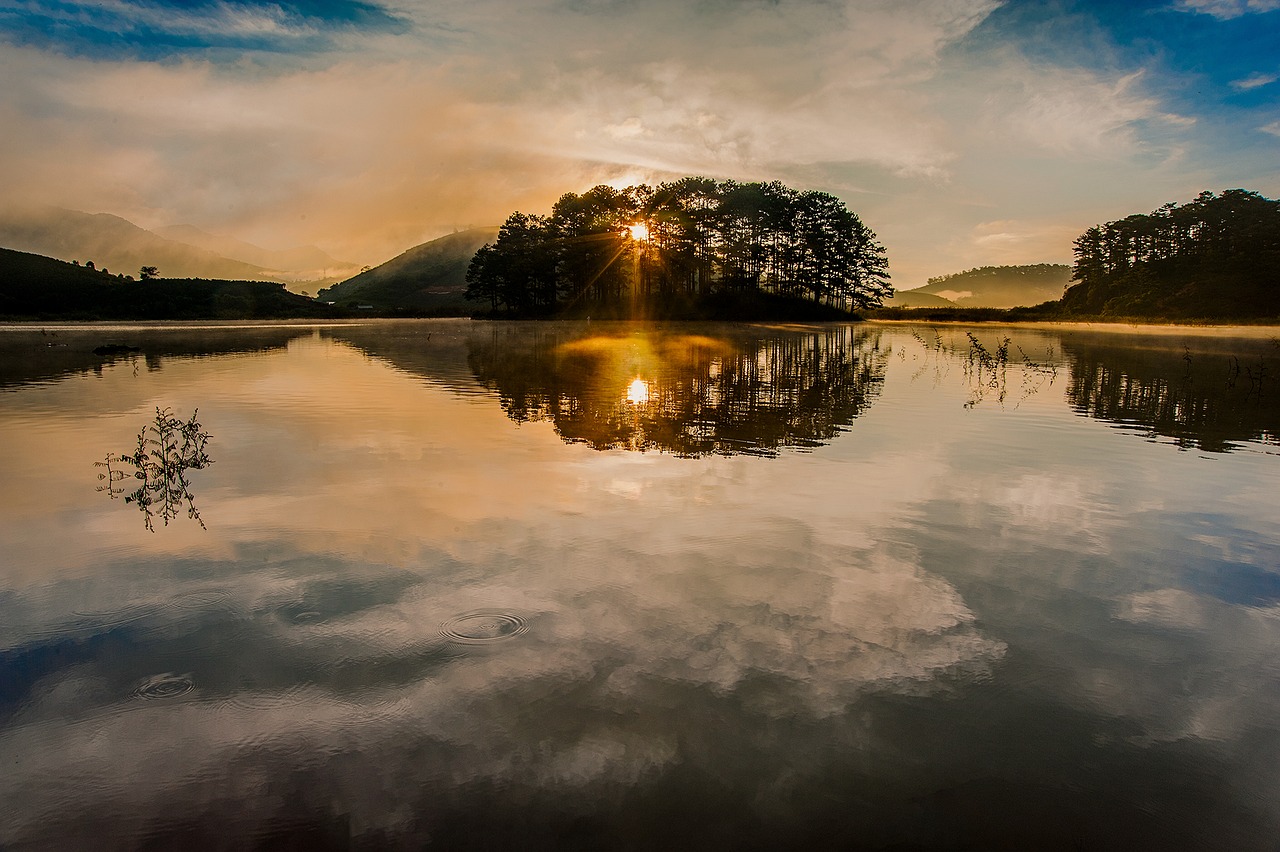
(458, 584)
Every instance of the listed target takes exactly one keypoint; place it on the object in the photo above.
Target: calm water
(468, 585)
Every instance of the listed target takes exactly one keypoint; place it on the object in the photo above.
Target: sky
(963, 132)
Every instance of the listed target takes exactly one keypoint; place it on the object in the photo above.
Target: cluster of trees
(1214, 256)
(683, 240)
(145, 273)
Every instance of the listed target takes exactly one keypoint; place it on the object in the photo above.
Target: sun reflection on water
(638, 392)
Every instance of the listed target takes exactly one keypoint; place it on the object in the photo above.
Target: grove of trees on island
(1216, 256)
(680, 242)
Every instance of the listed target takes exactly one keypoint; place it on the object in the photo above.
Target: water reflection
(988, 364)
(416, 625)
(717, 392)
(166, 449)
(29, 354)
(1208, 395)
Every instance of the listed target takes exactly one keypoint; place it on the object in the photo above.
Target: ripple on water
(162, 686)
(272, 699)
(481, 626)
(201, 599)
(298, 612)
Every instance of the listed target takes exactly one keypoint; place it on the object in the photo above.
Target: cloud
(1254, 81)
(373, 150)
(1225, 10)
(1273, 128)
(1076, 112)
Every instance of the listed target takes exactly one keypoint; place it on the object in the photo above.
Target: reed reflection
(167, 448)
(684, 393)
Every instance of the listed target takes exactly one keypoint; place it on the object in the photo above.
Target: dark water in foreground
(467, 585)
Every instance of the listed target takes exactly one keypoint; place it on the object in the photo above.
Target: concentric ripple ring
(163, 686)
(481, 626)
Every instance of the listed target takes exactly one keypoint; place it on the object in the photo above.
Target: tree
(1213, 256)
(690, 238)
(146, 273)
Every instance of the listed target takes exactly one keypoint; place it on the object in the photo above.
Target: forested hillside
(1001, 286)
(1215, 257)
(33, 287)
(428, 278)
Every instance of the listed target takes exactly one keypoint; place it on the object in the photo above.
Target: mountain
(33, 287)
(429, 277)
(916, 299)
(116, 244)
(301, 263)
(1001, 286)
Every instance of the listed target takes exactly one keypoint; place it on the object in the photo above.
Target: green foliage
(1214, 257)
(702, 238)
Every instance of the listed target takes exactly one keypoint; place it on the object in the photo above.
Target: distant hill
(1001, 286)
(115, 243)
(33, 287)
(428, 277)
(916, 299)
(301, 263)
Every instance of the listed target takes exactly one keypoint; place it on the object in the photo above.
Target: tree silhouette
(1214, 256)
(687, 239)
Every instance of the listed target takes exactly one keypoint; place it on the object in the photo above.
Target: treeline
(1216, 256)
(681, 242)
(1030, 272)
(33, 287)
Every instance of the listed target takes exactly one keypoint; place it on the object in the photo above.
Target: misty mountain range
(181, 251)
(989, 287)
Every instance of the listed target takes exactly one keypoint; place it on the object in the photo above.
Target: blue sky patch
(152, 29)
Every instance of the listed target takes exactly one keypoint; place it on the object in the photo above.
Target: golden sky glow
(958, 130)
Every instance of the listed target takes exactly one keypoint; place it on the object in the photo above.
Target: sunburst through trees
(678, 243)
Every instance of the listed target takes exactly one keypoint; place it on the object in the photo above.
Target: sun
(638, 231)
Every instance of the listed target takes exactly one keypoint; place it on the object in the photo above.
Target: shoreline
(1253, 331)
(1258, 331)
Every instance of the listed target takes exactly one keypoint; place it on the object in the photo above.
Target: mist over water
(606, 585)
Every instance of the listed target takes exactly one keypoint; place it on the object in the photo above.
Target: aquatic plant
(166, 449)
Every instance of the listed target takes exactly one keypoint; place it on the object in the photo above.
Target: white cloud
(1077, 112)
(1254, 81)
(1225, 10)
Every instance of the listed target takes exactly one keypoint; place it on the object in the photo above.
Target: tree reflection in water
(1207, 399)
(687, 394)
(166, 450)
